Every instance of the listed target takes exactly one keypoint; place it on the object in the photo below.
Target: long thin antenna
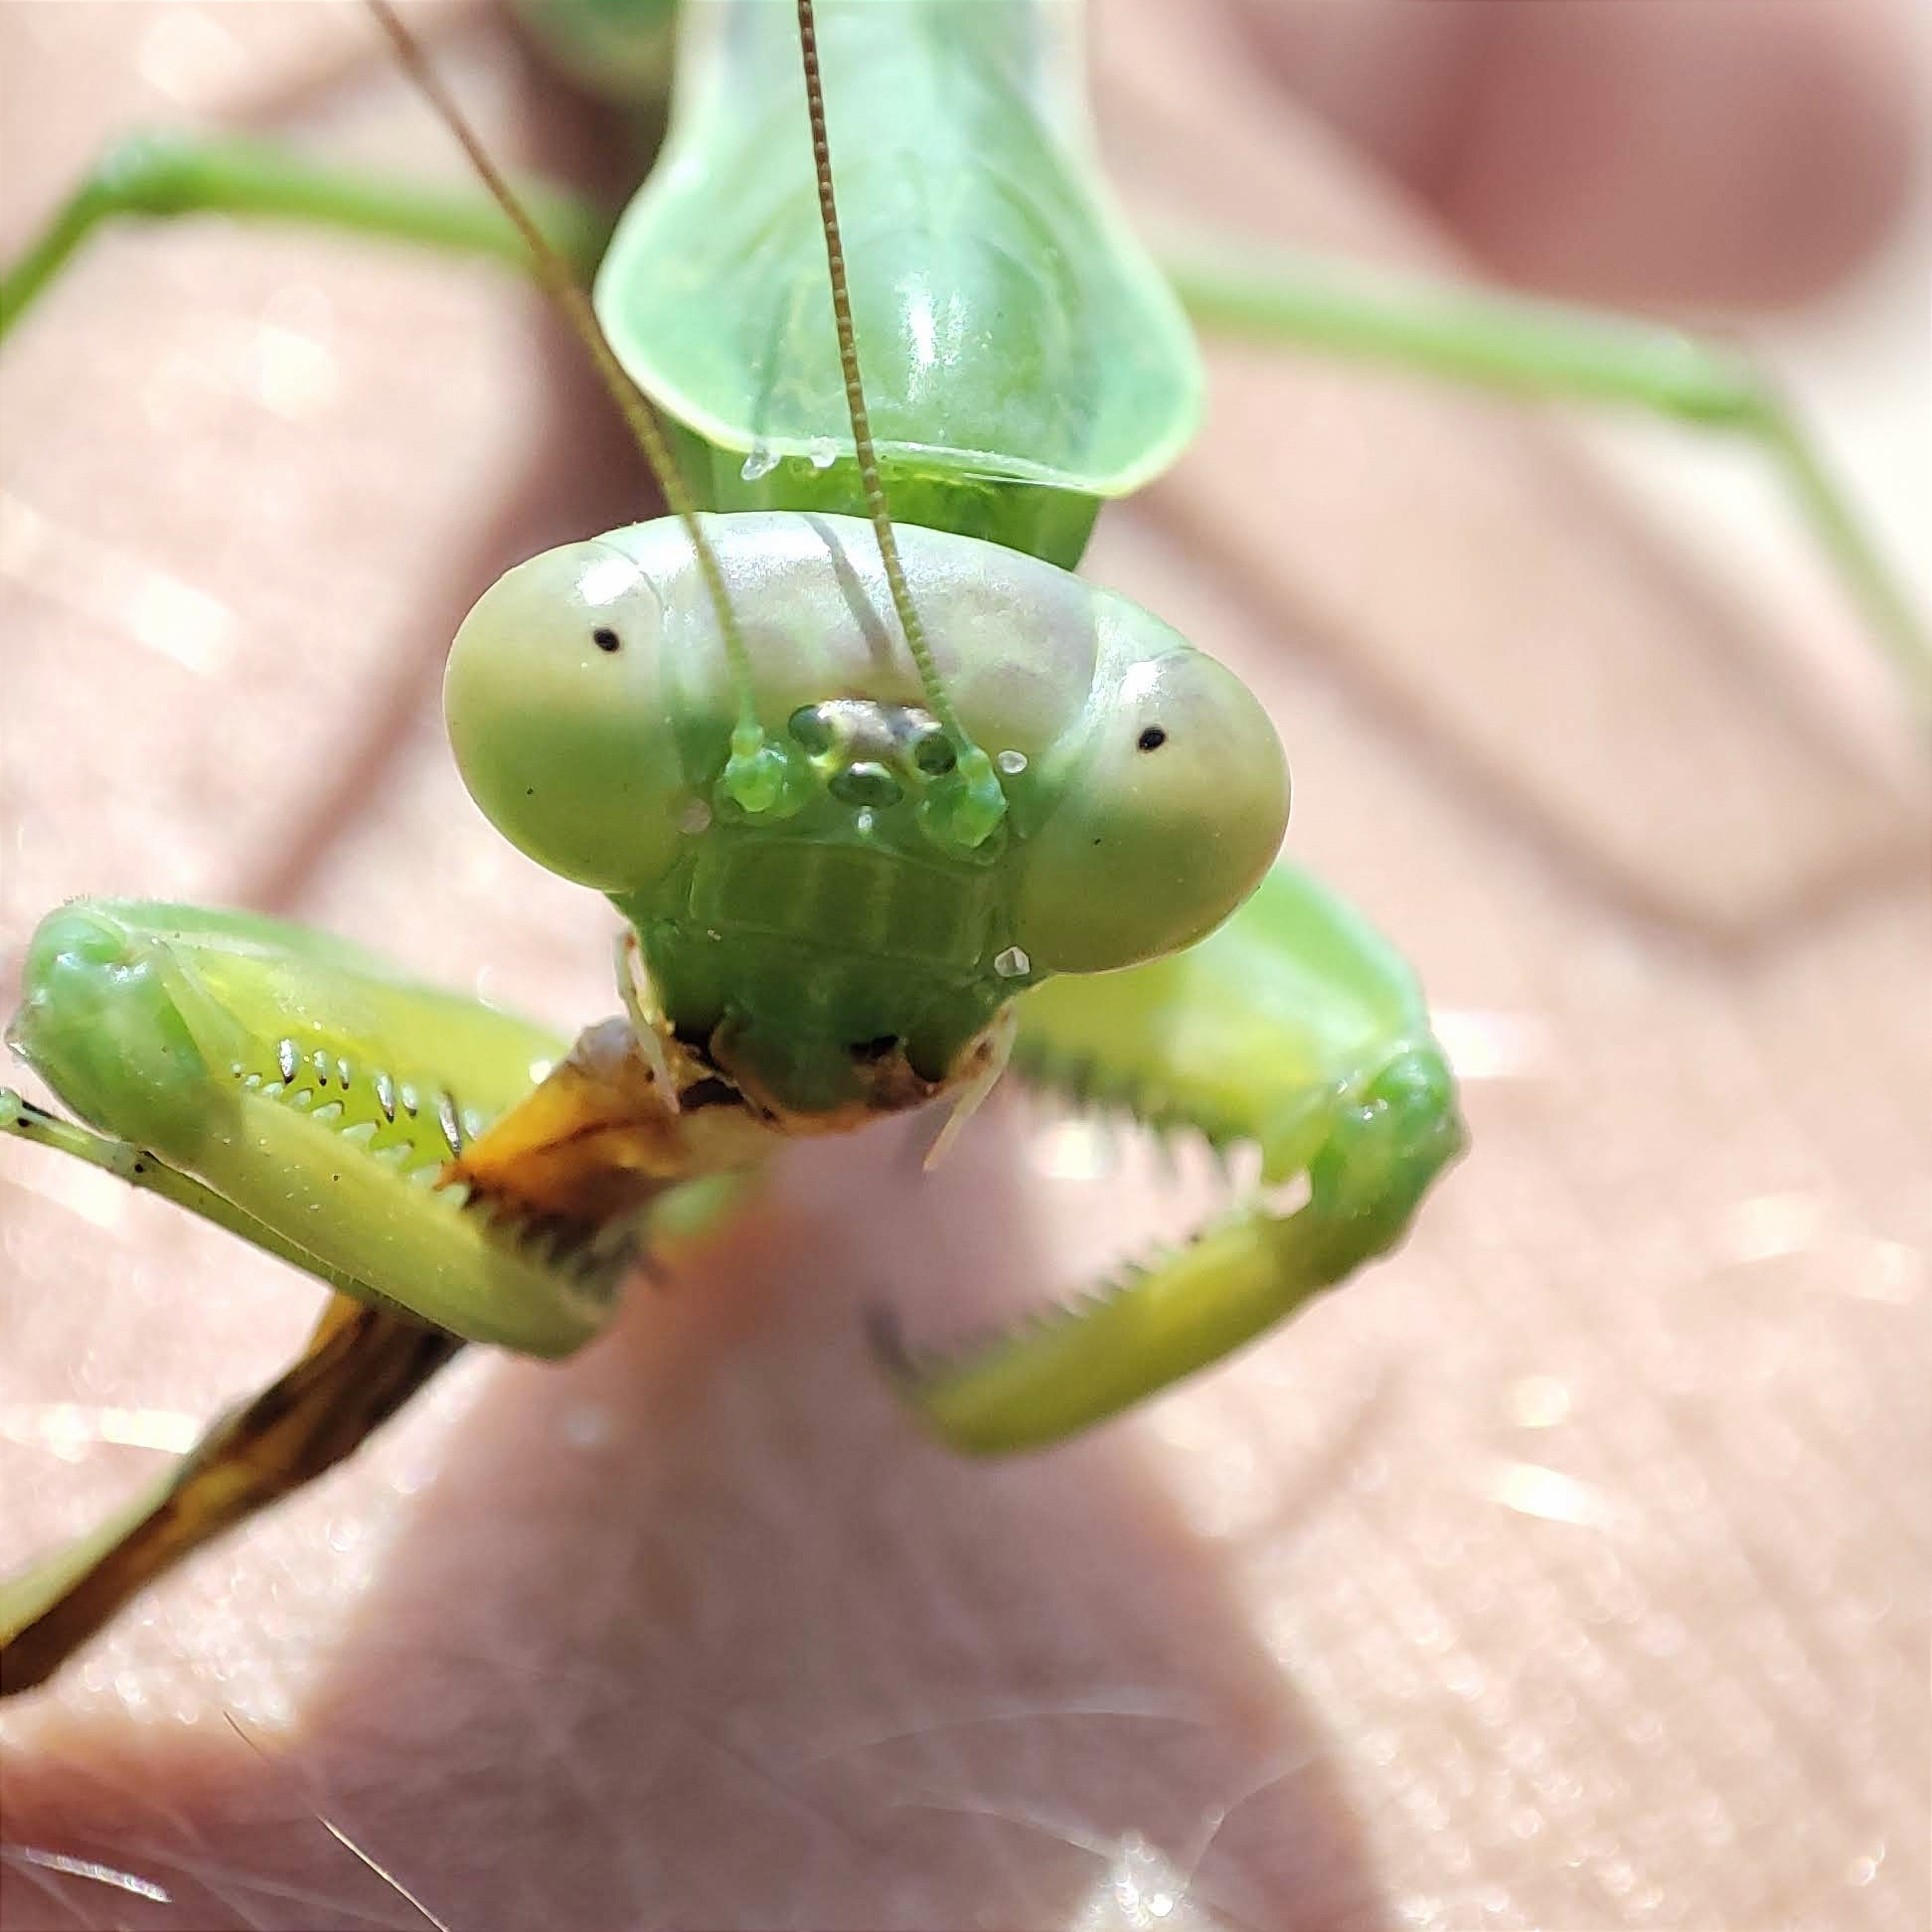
(571, 298)
(868, 478)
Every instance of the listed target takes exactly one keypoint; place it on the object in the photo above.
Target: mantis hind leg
(359, 1367)
(1295, 1028)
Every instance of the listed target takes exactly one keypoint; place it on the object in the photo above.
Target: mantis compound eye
(556, 714)
(1166, 820)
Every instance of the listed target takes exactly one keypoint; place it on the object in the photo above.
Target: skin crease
(1566, 1570)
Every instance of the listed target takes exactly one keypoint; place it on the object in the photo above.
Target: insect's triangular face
(594, 716)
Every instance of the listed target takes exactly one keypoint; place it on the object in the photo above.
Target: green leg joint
(167, 174)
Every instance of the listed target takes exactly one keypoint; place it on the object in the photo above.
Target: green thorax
(804, 950)
(1023, 359)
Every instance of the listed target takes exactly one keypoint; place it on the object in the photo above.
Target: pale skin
(568, 1635)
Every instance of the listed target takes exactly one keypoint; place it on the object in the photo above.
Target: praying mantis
(1395, 1024)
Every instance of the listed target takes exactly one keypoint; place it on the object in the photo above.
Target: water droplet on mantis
(760, 464)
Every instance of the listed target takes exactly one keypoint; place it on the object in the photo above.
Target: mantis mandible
(1361, 1049)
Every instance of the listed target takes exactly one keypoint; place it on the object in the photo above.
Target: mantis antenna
(975, 767)
(575, 302)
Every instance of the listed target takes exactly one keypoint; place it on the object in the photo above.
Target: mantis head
(592, 707)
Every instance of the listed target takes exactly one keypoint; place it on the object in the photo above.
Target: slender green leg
(1294, 1027)
(167, 174)
(1529, 347)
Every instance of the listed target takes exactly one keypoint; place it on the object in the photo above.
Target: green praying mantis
(882, 802)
